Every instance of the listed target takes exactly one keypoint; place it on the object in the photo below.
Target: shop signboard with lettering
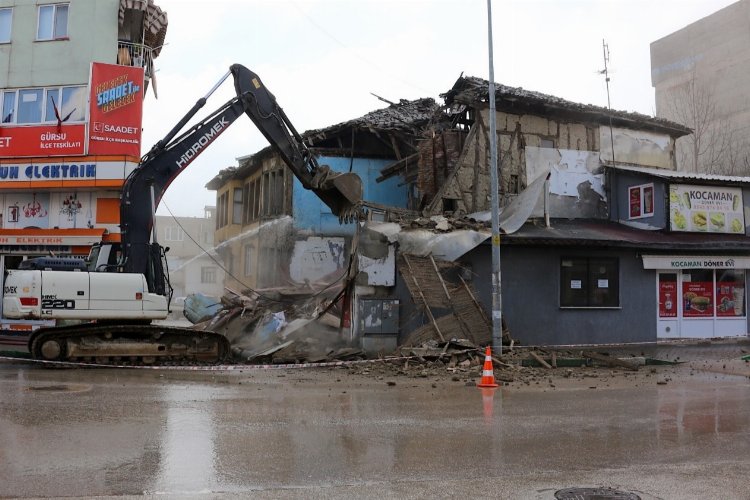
(42, 140)
(706, 209)
(116, 110)
(696, 262)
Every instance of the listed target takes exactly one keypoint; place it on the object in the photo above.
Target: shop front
(700, 296)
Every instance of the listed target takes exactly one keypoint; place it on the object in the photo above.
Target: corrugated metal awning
(602, 233)
(681, 176)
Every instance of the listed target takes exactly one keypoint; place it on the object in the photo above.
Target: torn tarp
(451, 245)
(421, 242)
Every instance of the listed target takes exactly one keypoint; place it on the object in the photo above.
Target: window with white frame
(44, 105)
(52, 22)
(641, 201)
(248, 260)
(237, 206)
(174, 233)
(208, 275)
(6, 22)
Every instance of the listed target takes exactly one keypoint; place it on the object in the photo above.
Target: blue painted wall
(312, 214)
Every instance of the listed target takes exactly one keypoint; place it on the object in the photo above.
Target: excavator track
(135, 344)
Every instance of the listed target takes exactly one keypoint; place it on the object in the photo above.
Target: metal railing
(135, 54)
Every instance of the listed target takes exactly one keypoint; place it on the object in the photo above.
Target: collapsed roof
(474, 92)
(390, 132)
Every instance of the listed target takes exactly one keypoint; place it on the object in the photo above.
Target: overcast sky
(322, 59)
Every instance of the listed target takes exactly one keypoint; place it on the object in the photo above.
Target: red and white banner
(116, 110)
(42, 140)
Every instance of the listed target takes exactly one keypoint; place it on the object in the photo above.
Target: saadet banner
(116, 110)
(42, 140)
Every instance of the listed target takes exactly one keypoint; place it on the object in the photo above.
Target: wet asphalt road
(309, 434)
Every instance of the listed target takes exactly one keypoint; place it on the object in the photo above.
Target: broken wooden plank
(554, 359)
(501, 363)
(609, 360)
(540, 360)
(432, 208)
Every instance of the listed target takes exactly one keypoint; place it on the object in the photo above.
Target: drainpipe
(546, 201)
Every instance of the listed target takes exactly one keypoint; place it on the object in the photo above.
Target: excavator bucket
(348, 186)
(342, 192)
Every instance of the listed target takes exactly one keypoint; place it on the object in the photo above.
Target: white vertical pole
(497, 315)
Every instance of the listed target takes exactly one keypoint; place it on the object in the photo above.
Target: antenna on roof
(605, 72)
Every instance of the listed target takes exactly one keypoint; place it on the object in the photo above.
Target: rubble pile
(292, 326)
(280, 326)
(460, 361)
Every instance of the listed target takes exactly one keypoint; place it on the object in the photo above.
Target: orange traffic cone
(488, 374)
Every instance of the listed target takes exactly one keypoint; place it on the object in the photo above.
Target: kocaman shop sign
(706, 209)
(116, 110)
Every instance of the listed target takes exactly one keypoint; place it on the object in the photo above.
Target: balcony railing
(135, 54)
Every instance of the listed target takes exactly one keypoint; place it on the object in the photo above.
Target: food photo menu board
(707, 209)
(697, 299)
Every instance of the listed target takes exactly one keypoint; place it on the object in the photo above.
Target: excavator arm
(144, 188)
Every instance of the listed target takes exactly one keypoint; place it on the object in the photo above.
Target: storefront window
(698, 293)
(730, 293)
(589, 282)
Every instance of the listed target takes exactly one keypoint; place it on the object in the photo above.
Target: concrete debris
(283, 325)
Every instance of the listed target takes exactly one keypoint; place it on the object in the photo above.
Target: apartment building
(194, 264)
(73, 78)
(701, 77)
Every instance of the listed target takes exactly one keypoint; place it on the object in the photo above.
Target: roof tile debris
(402, 116)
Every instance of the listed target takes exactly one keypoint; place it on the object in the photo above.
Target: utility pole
(497, 302)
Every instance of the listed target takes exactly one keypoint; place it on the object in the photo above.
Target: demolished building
(278, 239)
(601, 241)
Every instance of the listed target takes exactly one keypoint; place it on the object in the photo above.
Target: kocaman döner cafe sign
(708, 209)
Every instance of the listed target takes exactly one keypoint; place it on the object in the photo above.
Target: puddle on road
(594, 494)
(58, 388)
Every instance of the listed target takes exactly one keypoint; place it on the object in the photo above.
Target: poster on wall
(26, 210)
(641, 201)
(697, 299)
(667, 299)
(730, 297)
(635, 202)
(706, 209)
(116, 110)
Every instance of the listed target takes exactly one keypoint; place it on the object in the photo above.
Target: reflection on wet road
(114, 432)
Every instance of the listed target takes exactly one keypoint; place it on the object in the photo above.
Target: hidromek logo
(201, 143)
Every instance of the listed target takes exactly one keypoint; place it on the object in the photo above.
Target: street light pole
(497, 315)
